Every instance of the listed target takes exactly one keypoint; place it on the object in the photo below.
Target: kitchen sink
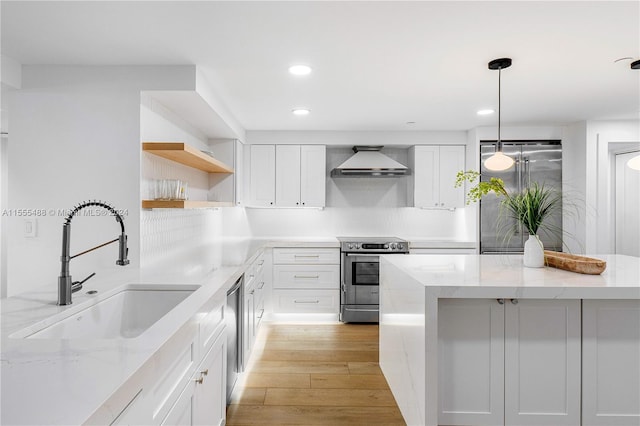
(123, 315)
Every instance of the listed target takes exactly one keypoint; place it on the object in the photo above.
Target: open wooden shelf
(186, 154)
(183, 204)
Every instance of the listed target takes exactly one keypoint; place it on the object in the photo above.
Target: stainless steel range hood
(368, 161)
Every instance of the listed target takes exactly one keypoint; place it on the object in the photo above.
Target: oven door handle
(362, 255)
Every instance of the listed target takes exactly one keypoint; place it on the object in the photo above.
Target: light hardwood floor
(314, 375)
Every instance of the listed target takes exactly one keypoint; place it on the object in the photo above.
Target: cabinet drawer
(306, 276)
(322, 256)
(306, 301)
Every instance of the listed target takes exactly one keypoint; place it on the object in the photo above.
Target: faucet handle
(77, 285)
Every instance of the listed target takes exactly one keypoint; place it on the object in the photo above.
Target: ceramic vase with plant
(532, 207)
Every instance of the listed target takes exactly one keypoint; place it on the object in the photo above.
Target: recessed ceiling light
(300, 70)
(301, 111)
(485, 112)
(411, 122)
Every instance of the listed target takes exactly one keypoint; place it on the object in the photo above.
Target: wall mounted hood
(368, 161)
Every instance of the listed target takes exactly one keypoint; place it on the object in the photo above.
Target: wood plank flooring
(325, 374)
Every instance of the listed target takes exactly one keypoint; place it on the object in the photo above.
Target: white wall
(75, 135)
(601, 139)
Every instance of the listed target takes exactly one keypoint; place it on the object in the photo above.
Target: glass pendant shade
(634, 163)
(499, 162)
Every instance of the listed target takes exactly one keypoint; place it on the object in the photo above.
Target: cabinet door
(313, 175)
(181, 413)
(611, 362)
(288, 175)
(470, 362)
(263, 175)
(452, 160)
(239, 173)
(210, 395)
(248, 327)
(426, 171)
(542, 362)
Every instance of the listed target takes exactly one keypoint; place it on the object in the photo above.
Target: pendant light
(498, 161)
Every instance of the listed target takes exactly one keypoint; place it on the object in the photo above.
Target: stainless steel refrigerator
(535, 161)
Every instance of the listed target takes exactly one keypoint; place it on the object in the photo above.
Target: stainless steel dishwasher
(234, 335)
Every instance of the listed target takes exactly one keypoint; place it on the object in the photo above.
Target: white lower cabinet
(203, 400)
(306, 280)
(611, 362)
(184, 383)
(509, 362)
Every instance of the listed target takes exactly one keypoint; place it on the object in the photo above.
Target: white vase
(533, 252)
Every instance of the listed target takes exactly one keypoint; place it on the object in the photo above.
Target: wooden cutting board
(574, 263)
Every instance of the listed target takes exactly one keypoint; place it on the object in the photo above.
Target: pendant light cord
(499, 145)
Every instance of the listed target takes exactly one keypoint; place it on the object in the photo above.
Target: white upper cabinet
(288, 175)
(262, 165)
(313, 175)
(434, 175)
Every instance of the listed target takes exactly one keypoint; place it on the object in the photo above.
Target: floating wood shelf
(183, 204)
(187, 155)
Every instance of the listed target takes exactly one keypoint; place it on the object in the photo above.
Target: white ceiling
(376, 65)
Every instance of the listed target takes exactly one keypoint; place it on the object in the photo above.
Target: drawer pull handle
(199, 381)
(205, 372)
(514, 301)
(306, 301)
(252, 291)
(501, 301)
(307, 255)
(261, 263)
(261, 313)
(307, 276)
(260, 287)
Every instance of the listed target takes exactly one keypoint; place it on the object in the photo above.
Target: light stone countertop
(434, 243)
(462, 276)
(47, 381)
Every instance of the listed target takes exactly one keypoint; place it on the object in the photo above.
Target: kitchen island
(482, 340)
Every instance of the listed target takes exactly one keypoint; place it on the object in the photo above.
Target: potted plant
(530, 208)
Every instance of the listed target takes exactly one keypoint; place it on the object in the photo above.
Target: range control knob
(392, 246)
(400, 246)
(350, 246)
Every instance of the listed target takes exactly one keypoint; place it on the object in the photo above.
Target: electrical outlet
(30, 227)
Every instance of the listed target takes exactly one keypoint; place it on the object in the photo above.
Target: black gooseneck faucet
(66, 287)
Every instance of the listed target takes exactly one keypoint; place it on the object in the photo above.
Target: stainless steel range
(360, 278)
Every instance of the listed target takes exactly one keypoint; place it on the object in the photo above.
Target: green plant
(530, 207)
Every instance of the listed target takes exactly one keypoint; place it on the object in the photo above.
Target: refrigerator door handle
(527, 170)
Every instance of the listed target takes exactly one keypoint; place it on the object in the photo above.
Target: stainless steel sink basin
(124, 315)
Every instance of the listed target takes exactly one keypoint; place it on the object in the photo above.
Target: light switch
(30, 227)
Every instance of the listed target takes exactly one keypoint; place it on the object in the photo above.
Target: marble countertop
(47, 381)
(479, 276)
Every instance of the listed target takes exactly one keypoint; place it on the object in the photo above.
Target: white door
(263, 175)
(426, 173)
(611, 362)
(313, 175)
(542, 362)
(452, 160)
(471, 362)
(210, 397)
(288, 175)
(627, 206)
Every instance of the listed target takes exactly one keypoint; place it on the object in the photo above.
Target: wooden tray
(574, 263)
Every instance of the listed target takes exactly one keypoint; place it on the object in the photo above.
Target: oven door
(360, 287)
